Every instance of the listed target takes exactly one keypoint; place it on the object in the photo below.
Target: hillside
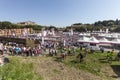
(52, 70)
(48, 68)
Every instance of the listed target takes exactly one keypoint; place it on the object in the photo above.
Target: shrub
(16, 70)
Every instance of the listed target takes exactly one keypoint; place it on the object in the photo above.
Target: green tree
(6, 25)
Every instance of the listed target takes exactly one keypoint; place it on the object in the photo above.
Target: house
(26, 23)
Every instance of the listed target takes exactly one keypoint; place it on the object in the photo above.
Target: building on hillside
(26, 23)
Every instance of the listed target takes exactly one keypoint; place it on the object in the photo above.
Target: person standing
(80, 57)
(102, 49)
(118, 56)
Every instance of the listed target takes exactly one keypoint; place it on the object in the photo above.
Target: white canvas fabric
(93, 40)
(104, 41)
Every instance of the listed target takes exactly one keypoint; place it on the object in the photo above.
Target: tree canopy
(113, 25)
(9, 25)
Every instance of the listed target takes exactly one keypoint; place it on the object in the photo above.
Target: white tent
(104, 41)
(88, 40)
(83, 39)
(93, 43)
(115, 41)
(93, 40)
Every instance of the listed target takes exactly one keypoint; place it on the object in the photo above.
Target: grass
(93, 62)
(90, 64)
(17, 70)
(56, 71)
(23, 68)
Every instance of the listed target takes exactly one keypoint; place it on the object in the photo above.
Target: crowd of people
(50, 48)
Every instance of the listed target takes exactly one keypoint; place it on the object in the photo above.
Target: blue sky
(59, 13)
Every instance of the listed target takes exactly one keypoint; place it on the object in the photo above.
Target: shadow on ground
(103, 60)
(116, 69)
(58, 59)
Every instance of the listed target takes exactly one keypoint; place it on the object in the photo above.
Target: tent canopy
(83, 39)
(93, 40)
(115, 41)
(88, 40)
(104, 41)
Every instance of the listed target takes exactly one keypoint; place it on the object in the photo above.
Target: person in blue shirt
(16, 49)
